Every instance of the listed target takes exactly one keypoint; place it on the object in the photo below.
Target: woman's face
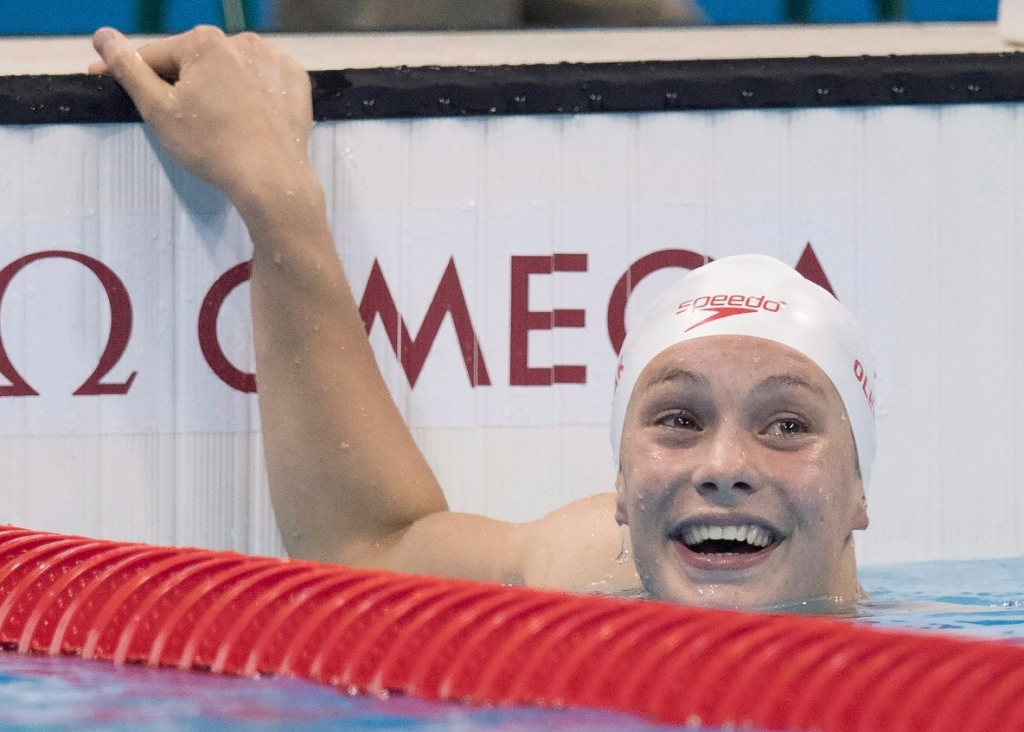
(738, 477)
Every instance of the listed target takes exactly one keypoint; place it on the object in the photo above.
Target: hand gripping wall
(445, 639)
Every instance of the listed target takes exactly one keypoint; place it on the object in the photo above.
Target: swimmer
(741, 427)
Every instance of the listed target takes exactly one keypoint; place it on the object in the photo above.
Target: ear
(621, 516)
(860, 516)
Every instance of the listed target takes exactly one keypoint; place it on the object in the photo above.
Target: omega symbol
(117, 341)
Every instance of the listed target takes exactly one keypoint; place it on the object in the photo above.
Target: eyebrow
(778, 381)
(671, 373)
(676, 373)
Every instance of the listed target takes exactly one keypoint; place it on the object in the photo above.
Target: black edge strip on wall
(578, 88)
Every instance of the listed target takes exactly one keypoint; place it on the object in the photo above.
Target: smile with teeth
(739, 539)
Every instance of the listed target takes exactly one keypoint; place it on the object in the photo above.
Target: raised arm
(343, 469)
(348, 482)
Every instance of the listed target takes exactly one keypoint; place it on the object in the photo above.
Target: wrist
(280, 203)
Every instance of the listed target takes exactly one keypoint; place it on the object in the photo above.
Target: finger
(125, 64)
(168, 56)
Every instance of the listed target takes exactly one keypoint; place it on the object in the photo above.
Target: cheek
(651, 469)
(650, 477)
(824, 489)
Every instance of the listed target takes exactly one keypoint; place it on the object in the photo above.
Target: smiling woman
(744, 439)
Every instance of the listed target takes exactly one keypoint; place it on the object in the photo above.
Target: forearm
(345, 476)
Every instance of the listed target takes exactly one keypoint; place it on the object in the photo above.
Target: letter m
(412, 352)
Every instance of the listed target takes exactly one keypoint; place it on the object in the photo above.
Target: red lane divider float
(446, 639)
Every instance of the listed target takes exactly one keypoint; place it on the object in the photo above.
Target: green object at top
(802, 11)
(236, 16)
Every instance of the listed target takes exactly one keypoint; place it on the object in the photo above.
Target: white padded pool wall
(915, 215)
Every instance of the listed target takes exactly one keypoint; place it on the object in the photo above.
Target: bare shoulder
(580, 548)
(577, 548)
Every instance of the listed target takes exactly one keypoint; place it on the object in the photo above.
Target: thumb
(125, 64)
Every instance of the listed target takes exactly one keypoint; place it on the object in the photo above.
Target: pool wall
(540, 228)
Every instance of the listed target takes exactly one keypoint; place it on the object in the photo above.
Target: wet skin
(743, 432)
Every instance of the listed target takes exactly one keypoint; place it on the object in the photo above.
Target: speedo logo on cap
(725, 306)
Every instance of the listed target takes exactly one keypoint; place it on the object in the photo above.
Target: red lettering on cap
(862, 378)
(726, 305)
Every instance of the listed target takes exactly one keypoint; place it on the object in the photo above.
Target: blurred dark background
(34, 17)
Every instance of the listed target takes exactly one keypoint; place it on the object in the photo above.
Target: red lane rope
(449, 639)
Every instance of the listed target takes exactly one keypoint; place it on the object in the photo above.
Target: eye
(786, 426)
(679, 421)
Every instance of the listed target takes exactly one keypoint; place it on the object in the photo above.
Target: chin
(750, 595)
(727, 597)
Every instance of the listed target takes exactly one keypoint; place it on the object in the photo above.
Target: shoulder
(576, 548)
(579, 548)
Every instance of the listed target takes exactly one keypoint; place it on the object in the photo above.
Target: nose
(725, 472)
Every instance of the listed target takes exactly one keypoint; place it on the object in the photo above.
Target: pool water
(980, 598)
(42, 693)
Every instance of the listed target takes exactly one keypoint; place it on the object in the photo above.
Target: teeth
(753, 535)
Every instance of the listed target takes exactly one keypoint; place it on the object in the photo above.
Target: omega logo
(411, 348)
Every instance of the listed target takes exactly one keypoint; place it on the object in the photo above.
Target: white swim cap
(758, 296)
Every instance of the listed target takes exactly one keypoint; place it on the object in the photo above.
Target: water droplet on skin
(277, 257)
(623, 556)
(344, 446)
